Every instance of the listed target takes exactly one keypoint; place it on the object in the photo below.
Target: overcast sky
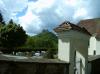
(36, 15)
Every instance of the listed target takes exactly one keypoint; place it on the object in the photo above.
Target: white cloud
(15, 5)
(30, 22)
(10, 8)
(71, 2)
(81, 12)
(40, 5)
(48, 13)
(33, 21)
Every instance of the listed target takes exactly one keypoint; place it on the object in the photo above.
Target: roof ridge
(67, 26)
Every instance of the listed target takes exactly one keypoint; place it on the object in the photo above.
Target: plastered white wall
(97, 47)
(69, 42)
(64, 47)
(92, 45)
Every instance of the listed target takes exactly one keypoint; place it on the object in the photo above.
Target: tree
(1, 24)
(29, 43)
(1, 19)
(49, 41)
(45, 39)
(12, 35)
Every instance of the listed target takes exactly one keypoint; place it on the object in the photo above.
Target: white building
(75, 44)
(93, 27)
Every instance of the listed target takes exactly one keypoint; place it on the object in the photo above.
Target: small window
(94, 52)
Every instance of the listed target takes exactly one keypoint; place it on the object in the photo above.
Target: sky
(36, 15)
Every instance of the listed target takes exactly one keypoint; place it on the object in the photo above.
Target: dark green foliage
(29, 43)
(2, 23)
(12, 35)
(47, 39)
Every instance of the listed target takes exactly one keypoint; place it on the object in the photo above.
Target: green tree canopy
(43, 40)
(47, 39)
(12, 35)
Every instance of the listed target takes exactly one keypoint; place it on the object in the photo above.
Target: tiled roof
(70, 26)
(92, 26)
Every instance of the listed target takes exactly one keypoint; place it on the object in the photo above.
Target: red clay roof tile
(92, 26)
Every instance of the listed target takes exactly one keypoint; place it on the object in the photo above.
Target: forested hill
(43, 40)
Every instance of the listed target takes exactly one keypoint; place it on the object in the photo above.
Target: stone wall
(17, 67)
